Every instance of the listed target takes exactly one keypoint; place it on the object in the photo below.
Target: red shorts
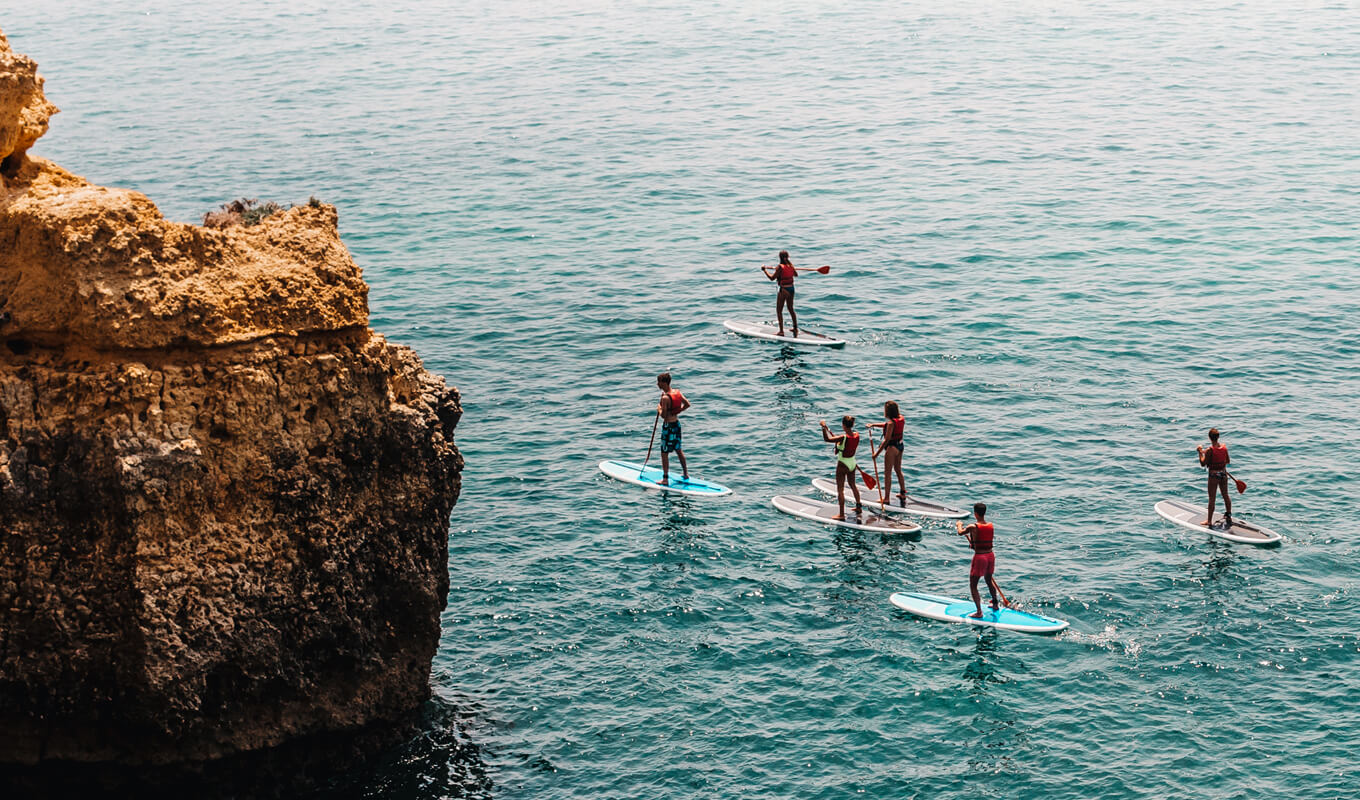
(983, 564)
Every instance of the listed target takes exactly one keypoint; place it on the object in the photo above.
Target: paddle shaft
(882, 501)
(824, 269)
(649, 444)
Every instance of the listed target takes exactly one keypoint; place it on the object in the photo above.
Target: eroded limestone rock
(224, 501)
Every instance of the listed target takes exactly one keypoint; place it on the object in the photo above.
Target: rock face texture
(24, 110)
(224, 501)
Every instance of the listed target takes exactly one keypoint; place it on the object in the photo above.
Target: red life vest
(848, 446)
(785, 273)
(1217, 457)
(677, 400)
(898, 425)
(982, 540)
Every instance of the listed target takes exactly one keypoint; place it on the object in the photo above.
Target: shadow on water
(440, 761)
(434, 757)
(680, 528)
(1218, 567)
(789, 379)
(1000, 734)
(981, 670)
(871, 565)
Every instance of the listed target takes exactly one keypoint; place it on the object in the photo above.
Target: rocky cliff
(224, 501)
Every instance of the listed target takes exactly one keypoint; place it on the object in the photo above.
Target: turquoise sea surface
(1067, 237)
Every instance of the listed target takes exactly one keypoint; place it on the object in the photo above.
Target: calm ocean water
(1068, 238)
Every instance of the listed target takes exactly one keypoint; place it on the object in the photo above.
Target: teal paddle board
(634, 473)
(949, 609)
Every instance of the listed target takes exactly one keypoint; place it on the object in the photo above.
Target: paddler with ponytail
(669, 408)
(784, 273)
(979, 536)
(846, 445)
(893, 428)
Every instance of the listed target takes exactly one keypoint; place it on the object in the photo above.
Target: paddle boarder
(672, 403)
(979, 536)
(846, 443)
(893, 427)
(784, 273)
(1215, 459)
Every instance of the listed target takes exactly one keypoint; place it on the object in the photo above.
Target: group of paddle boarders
(846, 443)
(979, 535)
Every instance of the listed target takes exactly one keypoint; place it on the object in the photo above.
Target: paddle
(1004, 601)
(824, 269)
(649, 445)
(882, 501)
(1241, 485)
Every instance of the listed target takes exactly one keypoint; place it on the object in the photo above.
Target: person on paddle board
(784, 273)
(672, 403)
(846, 444)
(1216, 460)
(893, 428)
(979, 536)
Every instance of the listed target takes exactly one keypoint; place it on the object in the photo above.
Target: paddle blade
(1241, 486)
(824, 270)
(869, 482)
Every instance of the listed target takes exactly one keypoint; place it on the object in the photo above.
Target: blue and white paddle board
(770, 333)
(818, 511)
(914, 505)
(949, 609)
(634, 473)
(1190, 515)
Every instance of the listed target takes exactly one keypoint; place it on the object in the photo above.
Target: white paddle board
(770, 333)
(1190, 515)
(949, 609)
(816, 510)
(914, 505)
(634, 473)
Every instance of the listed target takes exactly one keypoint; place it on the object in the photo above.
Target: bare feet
(978, 615)
(839, 517)
(781, 332)
(663, 482)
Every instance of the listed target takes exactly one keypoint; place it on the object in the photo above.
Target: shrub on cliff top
(246, 211)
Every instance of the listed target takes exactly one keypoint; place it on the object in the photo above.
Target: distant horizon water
(1066, 238)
